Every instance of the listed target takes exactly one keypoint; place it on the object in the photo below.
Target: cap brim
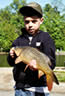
(29, 11)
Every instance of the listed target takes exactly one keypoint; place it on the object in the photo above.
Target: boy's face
(32, 24)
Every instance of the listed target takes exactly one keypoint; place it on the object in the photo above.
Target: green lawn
(60, 75)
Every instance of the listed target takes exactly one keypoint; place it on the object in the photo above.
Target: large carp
(27, 54)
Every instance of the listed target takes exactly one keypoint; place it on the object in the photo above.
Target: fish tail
(49, 82)
(50, 79)
(55, 78)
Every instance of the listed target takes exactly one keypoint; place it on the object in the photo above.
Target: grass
(60, 75)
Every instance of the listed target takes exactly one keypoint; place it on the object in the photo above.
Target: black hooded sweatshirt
(29, 78)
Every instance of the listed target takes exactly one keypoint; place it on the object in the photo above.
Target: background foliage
(11, 23)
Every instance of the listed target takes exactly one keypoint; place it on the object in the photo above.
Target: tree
(10, 24)
(17, 4)
(54, 24)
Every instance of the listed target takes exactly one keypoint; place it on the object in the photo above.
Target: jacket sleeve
(49, 49)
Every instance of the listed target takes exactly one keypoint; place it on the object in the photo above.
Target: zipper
(30, 40)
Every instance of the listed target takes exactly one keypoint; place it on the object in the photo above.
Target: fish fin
(55, 78)
(49, 82)
(26, 67)
(18, 60)
(40, 73)
(50, 79)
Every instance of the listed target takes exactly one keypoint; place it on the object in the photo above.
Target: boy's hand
(32, 65)
(12, 53)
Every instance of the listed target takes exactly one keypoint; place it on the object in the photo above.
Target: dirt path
(6, 79)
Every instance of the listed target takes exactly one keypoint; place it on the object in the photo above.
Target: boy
(28, 83)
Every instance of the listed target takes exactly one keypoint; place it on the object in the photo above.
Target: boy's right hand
(12, 53)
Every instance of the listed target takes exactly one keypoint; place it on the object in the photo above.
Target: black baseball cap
(31, 9)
